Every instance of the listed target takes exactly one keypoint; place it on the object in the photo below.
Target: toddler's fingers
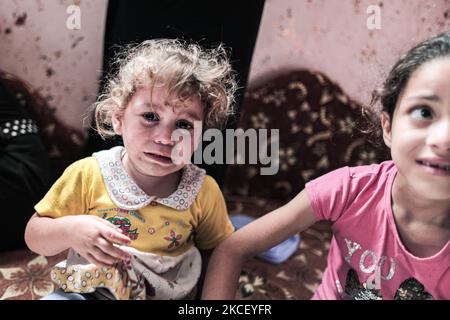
(115, 236)
(113, 251)
(89, 257)
(103, 257)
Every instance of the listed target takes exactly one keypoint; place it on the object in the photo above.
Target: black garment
(24, 169)
(209, 23)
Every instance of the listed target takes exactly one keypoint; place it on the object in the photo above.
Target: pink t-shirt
(367, 259)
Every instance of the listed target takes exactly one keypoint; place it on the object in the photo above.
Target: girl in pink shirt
(391, 221)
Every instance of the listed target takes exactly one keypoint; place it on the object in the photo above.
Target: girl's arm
(90, 236)
(260, 235)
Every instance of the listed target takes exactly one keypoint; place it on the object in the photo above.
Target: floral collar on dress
(126, 194)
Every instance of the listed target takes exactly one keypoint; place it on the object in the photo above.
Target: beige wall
(63, 64)
(332, 36)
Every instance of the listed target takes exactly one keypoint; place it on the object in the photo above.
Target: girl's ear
(386, 125)
(117, 122)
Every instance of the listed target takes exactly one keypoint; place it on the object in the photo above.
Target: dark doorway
(209, 23)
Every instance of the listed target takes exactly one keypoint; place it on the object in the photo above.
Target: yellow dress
(165, 232)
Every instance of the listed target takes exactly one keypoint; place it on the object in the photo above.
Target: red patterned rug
(26, 276)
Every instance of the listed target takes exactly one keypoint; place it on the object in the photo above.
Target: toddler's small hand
(95, 238)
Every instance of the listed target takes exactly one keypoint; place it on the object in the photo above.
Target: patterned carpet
(294, 279)
(26, 276)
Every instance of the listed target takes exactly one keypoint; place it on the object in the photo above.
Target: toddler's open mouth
(158, 158)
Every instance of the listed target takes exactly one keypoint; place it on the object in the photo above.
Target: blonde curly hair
(184, 68)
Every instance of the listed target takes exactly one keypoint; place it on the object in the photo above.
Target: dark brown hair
(388, 94)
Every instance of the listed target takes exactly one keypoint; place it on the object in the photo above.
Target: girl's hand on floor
(94, 238)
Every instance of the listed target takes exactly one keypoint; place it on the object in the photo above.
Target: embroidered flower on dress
(173, 238)
(125, 225)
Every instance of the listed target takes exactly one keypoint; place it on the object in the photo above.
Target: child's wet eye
(150, 116)
(422, 113)
(183, 124)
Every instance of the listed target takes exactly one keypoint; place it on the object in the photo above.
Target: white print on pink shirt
(370, 264)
